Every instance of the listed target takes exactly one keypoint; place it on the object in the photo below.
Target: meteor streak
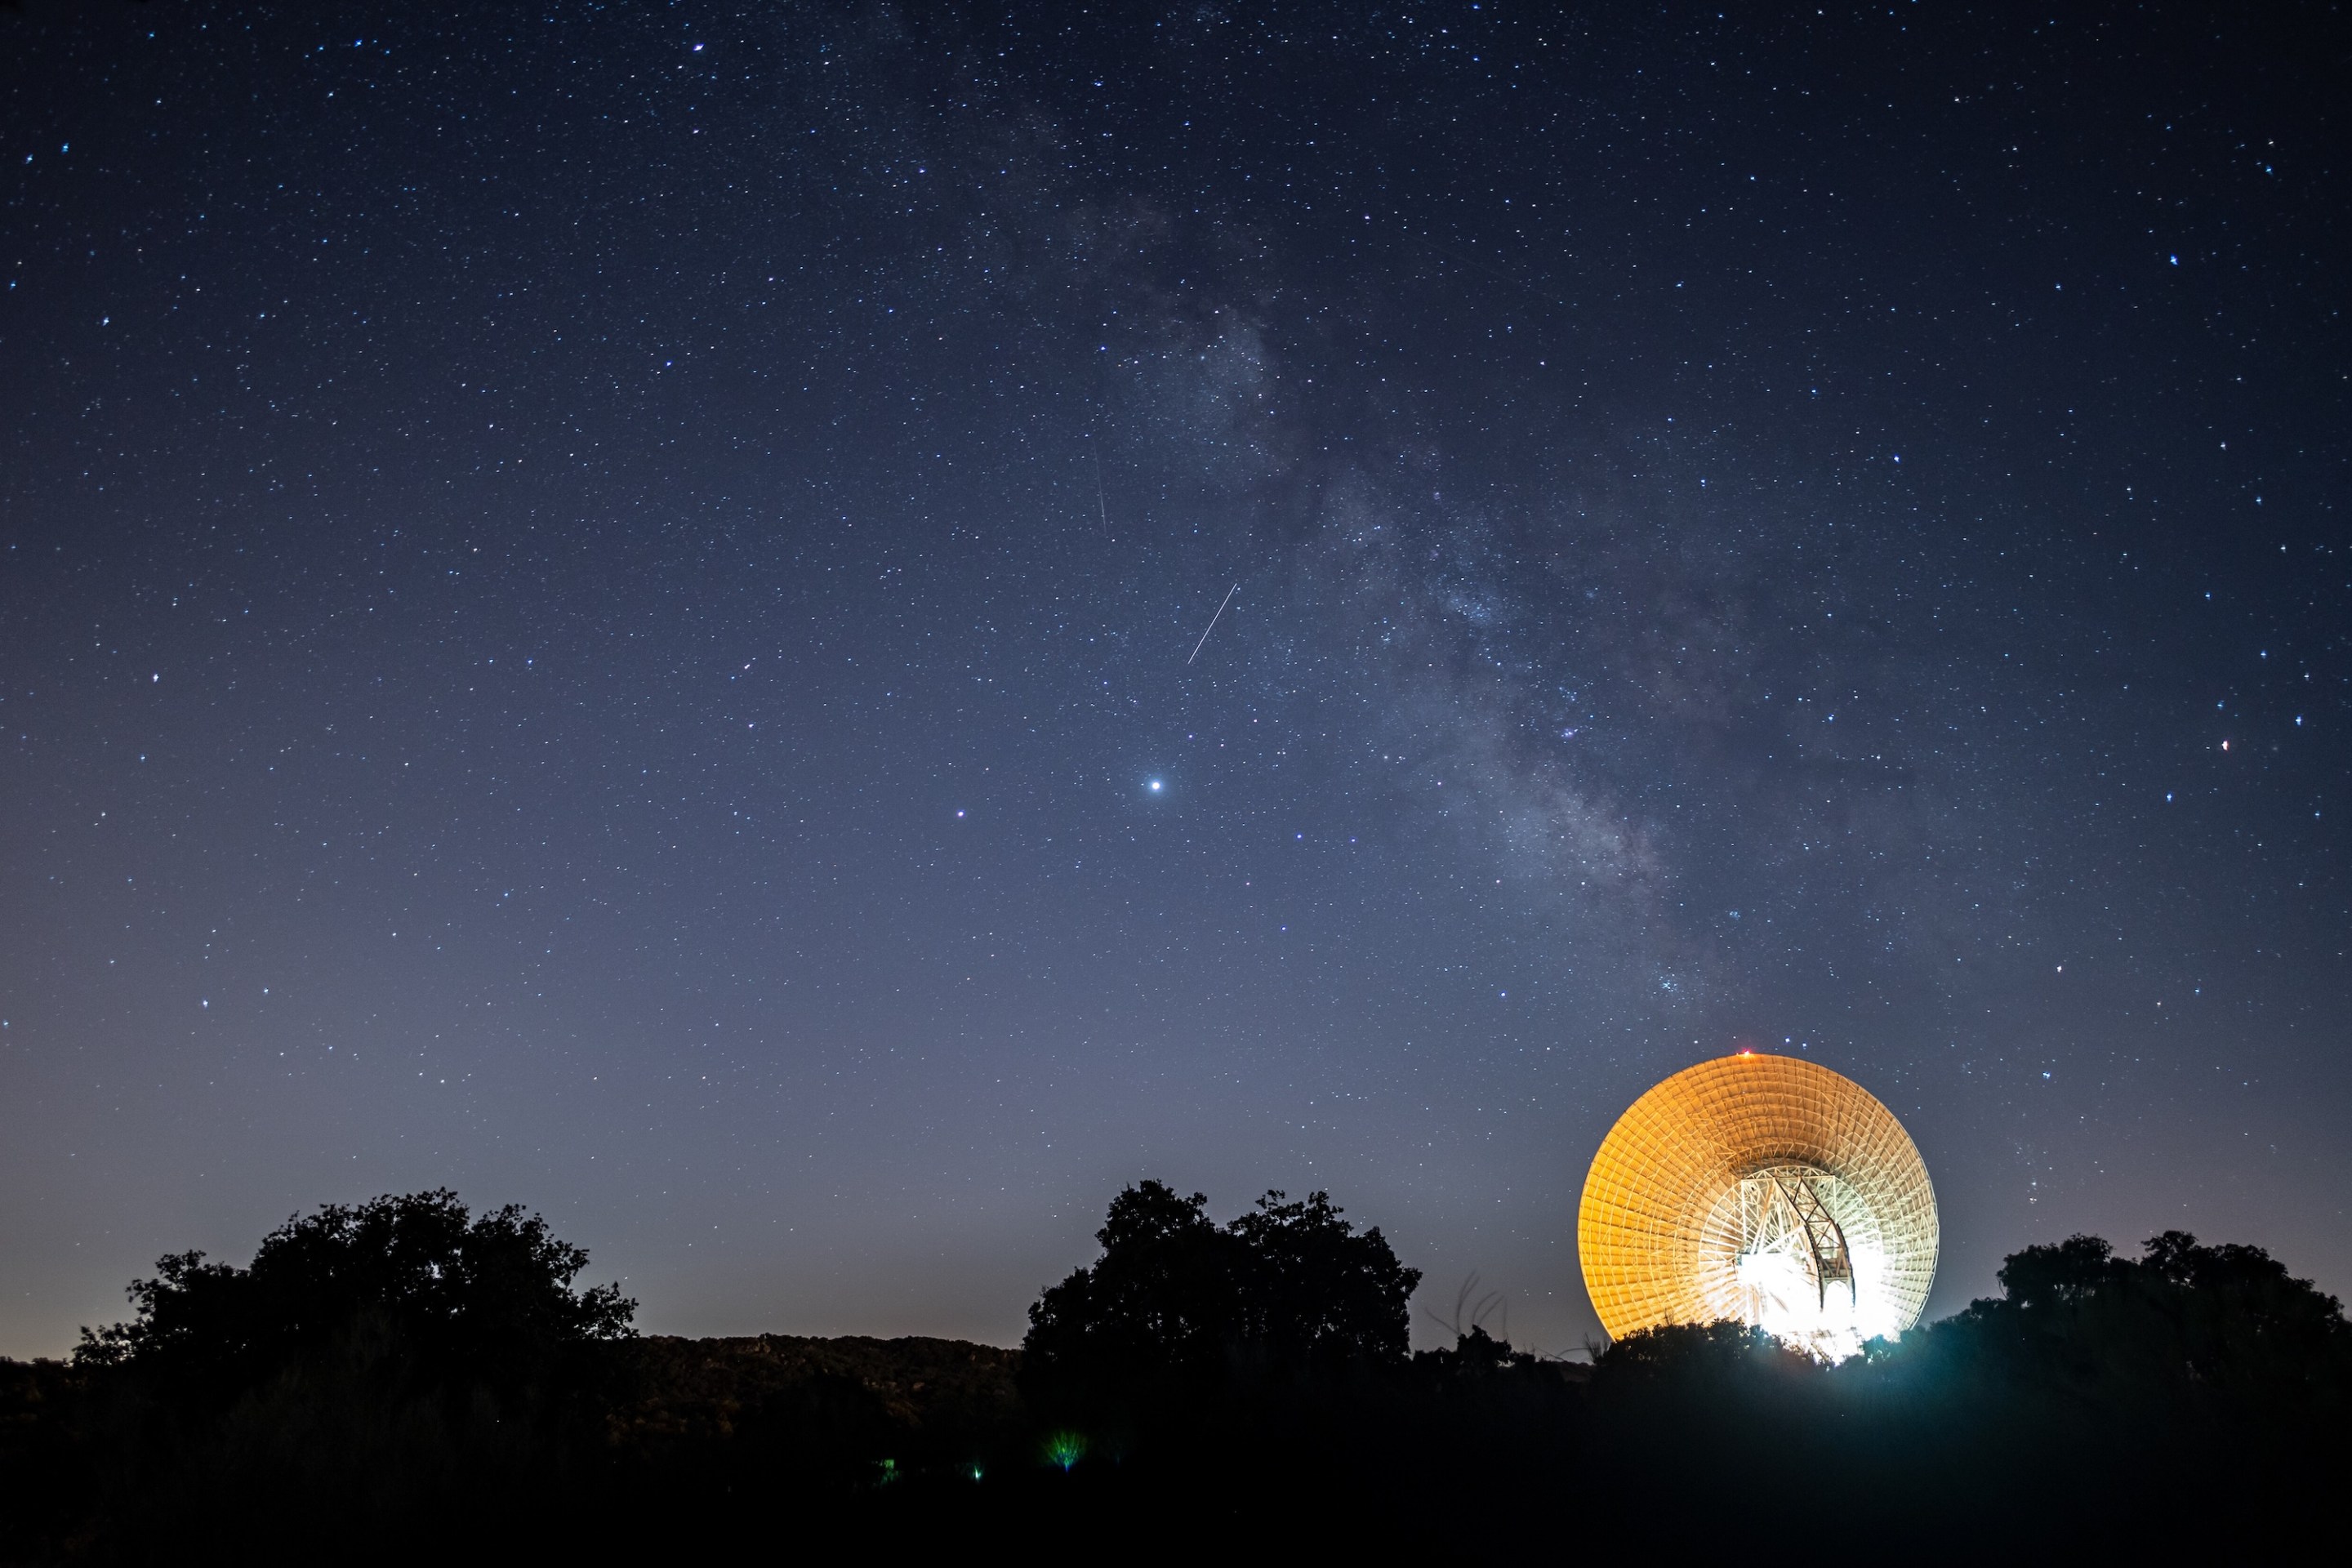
(1213, 622)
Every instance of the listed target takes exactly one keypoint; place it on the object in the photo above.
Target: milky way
(616, 613)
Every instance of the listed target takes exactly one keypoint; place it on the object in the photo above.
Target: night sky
(604, 605)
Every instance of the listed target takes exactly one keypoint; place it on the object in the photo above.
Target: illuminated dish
(1765, 1189)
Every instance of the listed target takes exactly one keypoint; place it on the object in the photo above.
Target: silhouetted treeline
(1182, 1314)
(404, 1378)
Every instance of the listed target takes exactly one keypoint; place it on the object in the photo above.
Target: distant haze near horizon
(607, 609)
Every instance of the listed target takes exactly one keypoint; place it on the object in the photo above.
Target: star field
(808, 637)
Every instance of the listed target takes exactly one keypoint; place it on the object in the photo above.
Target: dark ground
(757, 1449)
(405, 1379)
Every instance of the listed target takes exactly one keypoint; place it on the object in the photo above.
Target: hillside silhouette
(404, 1377)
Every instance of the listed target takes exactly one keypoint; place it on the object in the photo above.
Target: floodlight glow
(1765, 1189)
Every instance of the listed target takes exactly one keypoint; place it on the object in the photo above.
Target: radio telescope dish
(1765, 1189)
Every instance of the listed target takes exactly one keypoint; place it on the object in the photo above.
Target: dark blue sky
(593, 600)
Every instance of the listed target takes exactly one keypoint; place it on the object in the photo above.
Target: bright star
(1154, 786)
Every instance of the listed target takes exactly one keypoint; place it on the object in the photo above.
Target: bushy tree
(485, 1299)
(2184, 1324)
(1178, 1306)
(1709, 1392)
(1164, 1299)
(1713, 1355)
(1317, 1294)
(380, 1373)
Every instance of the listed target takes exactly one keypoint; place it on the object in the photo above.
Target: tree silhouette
(1178, 1307)
(486, 1299)
(2184, 1326)
(381, 1373)
(1318, 1295)
(385, 1378)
